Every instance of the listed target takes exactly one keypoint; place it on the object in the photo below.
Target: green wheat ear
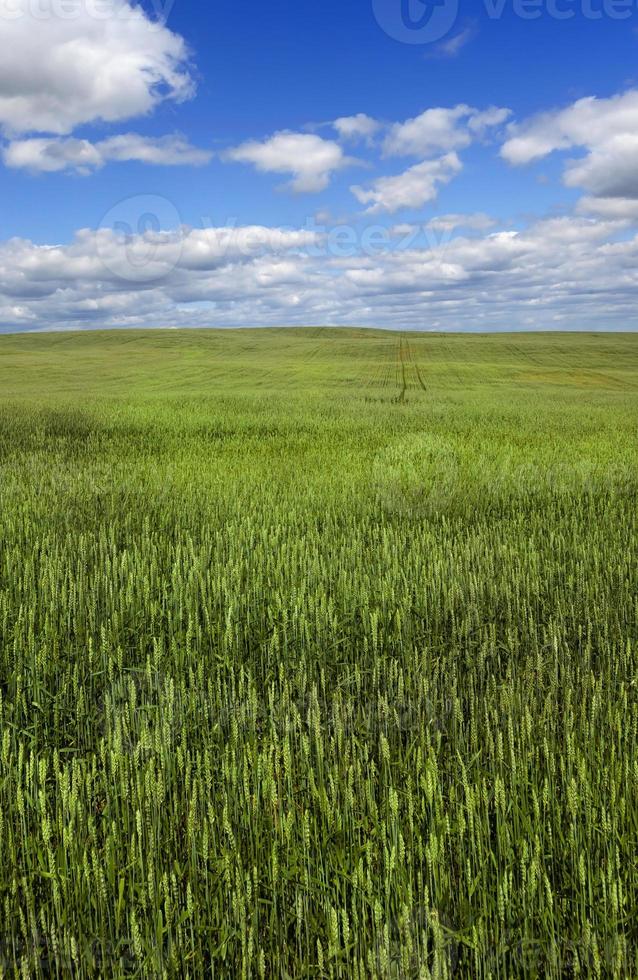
(310, 667)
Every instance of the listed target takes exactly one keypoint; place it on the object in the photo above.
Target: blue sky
(495, 144)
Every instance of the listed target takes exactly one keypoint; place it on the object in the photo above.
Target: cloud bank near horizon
(560, 273)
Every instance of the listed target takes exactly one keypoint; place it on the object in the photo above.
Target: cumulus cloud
(609, 170)
(480, 122)
(616, 208)
(450, 222)
(359, 127)
(442, 130)
(58, 72)
(99, 266)
(411, 189)
(309, 159)
(606, 130)
(588, 123)
(55, 154)
(570, 272)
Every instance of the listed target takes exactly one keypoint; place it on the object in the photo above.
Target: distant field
(210, 362)
(318, 654)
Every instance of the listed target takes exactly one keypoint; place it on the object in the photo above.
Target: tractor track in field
(397, 368)
(408, 372)
(415, 366)
(401, 374)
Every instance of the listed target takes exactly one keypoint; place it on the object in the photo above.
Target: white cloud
(310, 159)
(411, 189)
(103, 262)
(206, 248)
(589, 123)
(450, 222)
(573, 272)
(614, 208)
(359, 127)
(481, 122)
(609, 170)
(58, 72)
(54, 154)
(607, 130)
(441, 130)
(404, 229)
(432, 131)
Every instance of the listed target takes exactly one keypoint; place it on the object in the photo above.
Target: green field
(318, 655)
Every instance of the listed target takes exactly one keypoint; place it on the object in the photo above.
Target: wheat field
(318, 655)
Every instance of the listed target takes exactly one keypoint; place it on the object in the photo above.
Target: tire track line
(415, 365)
